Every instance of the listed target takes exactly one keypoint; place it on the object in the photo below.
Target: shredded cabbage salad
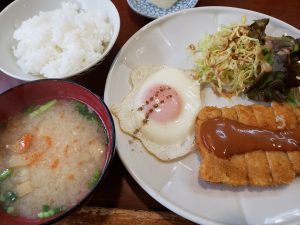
(228, 60)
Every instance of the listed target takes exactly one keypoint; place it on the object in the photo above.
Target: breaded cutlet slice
(258, 168)
(257, 165)
(295, 156)
(280, 166)
(288, 120)
(236, 167)
(214, 169)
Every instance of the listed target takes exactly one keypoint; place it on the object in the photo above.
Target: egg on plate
(160, 110)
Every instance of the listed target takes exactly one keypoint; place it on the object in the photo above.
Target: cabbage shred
(228, 60)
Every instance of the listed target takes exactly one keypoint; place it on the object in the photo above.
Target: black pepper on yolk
(161, 103)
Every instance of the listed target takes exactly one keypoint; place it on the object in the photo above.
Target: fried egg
(160, 110)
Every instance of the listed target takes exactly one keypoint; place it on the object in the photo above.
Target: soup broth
(50, 158)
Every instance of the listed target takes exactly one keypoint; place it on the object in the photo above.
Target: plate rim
(171, 205)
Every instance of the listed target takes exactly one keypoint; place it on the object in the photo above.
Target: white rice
(60, 42)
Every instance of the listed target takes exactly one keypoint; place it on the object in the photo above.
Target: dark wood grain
(119, 190)
(105, 216)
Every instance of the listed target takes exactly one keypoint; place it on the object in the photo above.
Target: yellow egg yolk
(162, 103)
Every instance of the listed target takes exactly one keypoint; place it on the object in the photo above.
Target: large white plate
(176, 184)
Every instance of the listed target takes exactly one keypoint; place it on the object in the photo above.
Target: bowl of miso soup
(57, 140)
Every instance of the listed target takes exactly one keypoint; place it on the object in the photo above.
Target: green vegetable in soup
(43, 108)
(83, 110)
(6, 199)
(29, 109)
(59, 209)
(94, 179)
(5, 174)
(45, 208)
(10, 209)
(10, 196)
(86, 112)
(2, 198)
(105, 136)
(43, 215)
(51, 212)
(48, 212)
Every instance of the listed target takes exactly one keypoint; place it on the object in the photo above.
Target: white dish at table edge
(175, 184)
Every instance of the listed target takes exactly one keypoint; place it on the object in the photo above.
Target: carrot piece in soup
(66, 150)
(24, 143)
(35, 157)
(48, 140)
(54, 164)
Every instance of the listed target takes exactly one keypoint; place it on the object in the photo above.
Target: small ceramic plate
(144, 8)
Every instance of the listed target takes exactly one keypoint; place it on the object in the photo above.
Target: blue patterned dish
(144, 8)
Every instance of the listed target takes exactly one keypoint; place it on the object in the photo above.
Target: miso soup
(51, 156)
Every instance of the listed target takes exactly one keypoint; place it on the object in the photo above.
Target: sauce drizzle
(225, 138)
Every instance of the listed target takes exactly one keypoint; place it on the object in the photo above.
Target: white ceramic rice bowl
(19, 10)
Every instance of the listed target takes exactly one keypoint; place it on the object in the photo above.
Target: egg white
(169, 140)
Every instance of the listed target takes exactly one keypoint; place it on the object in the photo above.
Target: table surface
(119, 190)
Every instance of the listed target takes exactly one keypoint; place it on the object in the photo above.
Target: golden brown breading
(259, 168)
(285, 112)
(236, 167)
(214, 167)
(257, 164)
(295, 156)
(265, 117)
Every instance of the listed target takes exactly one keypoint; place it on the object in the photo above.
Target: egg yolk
(162, 103)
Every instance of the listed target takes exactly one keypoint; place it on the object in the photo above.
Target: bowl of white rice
(43, 39)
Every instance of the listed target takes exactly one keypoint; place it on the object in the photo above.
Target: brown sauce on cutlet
(225, 138)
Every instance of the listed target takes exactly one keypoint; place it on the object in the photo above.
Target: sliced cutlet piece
(295, 156)
(266, 119)
(257, 164)
(297, 113)
(236, 168)
(206, 113)
(212, 168)
(285, 116)
(286, 119)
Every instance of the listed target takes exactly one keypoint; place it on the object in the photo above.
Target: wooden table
(119, 190)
